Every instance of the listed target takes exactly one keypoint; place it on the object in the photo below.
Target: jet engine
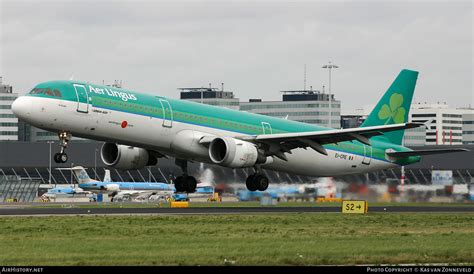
(126, 157)
(234, 153)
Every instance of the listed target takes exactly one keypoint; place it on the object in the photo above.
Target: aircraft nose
(21, 107)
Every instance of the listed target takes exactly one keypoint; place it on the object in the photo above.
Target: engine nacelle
(126, 157)
(234, 153)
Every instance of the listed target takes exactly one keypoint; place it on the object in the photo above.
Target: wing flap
(332, 136)
(280, 143)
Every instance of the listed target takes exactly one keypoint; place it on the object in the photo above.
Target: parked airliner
(113, 188)
(138, 128)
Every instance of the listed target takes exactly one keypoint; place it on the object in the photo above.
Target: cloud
(255, 48)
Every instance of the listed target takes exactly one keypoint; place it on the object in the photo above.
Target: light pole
(72, 178)
(49, 180)
(95, 164)
(330, 67)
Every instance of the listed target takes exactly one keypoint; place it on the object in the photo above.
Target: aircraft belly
(310, 163)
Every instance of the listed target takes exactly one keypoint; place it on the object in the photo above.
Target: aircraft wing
(81, 192)
(131, 193)
(280, 143)
(134, 193)
(403, 154)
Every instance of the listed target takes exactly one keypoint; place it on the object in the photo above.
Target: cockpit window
(47, 91)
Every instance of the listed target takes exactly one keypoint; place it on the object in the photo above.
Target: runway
(29, 211)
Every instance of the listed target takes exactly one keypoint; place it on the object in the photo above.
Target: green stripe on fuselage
(205, 115)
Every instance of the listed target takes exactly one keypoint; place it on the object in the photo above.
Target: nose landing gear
(64, 138)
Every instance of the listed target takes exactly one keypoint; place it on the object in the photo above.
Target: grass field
(262, 239)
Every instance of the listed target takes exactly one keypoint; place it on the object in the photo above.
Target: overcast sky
(255, 48)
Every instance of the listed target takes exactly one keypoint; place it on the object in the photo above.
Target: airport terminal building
(445, 125)
(8, 121)
(210, 96)
(307, 106)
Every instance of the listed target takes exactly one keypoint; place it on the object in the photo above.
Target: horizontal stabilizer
(403, 154)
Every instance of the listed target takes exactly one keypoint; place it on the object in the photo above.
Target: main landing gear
(64, 138)
(184, 183)
(257, 181)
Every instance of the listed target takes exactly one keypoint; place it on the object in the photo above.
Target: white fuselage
(179, 139)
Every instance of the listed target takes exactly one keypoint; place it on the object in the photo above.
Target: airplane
(130, 189)
(138, 128)
(274, 192)
(66, 191)
(53, 192)
(200, 192)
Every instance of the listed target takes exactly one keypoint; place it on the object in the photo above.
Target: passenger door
(267, 128)
(82, 98)
(367, 155)
(167, 113)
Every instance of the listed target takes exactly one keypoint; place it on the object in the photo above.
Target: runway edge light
(355, 207)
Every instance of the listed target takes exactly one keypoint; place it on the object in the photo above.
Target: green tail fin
(394, 106)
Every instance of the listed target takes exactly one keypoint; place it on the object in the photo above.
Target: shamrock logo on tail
(393, 112)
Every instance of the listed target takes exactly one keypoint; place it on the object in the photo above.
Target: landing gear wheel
(257, 182)
(250, 183)
(184, 183)
(60, 157)
(261, 181)
(63, 157)
(64, 138)
(180, 184)
(191, 184)
(56, 157)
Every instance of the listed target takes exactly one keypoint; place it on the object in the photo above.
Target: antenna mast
(304, 88)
